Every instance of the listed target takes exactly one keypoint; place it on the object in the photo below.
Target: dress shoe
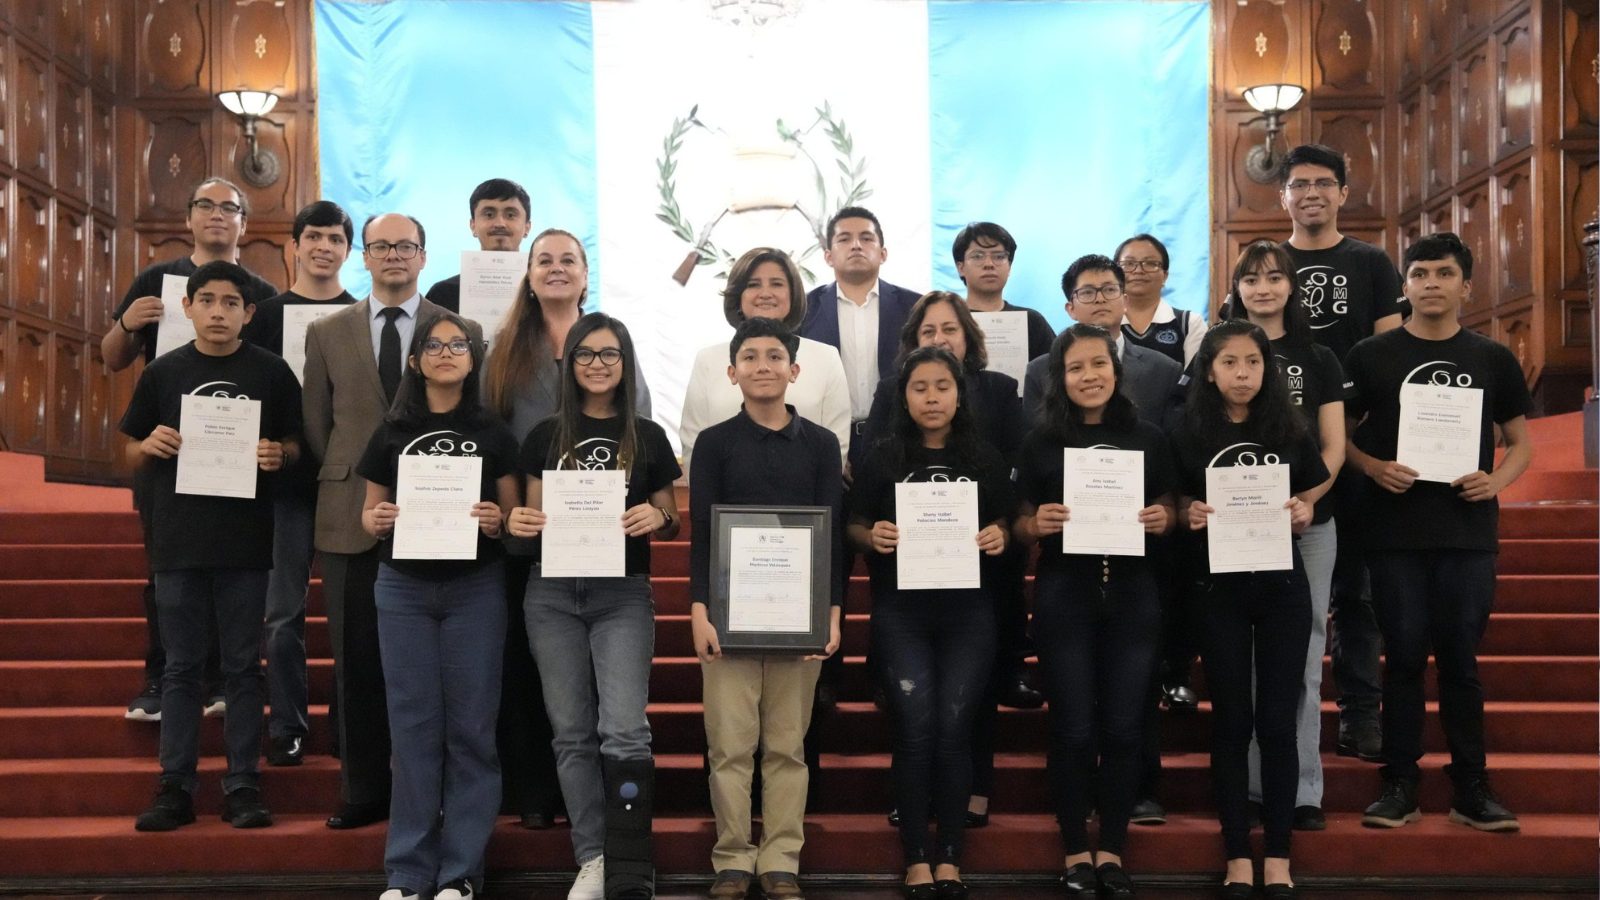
(1017, 693)
(1146, 812)
(924, 891)
(1079, 881)
(950, 889)
(1179, 698)
(358, 815)
(1278, 891)
(731, 884)
(1309, 818)
(1236, 890)
(780, 886)
(1114, 880)
(976, 820)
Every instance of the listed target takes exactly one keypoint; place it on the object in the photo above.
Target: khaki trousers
(758, 701)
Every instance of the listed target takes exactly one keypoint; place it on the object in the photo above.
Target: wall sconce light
(260, 167)
(1272, 101)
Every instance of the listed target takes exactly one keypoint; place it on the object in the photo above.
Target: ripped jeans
(935, 651)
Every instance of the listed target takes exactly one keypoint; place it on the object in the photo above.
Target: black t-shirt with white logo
(1345, 290)
(1314, 378)
(148, 283)
(442, 434)
(597, 446)
(1431, 515)
(189, 531)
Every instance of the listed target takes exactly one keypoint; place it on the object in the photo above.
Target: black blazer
(992, 397)
(894, 305)
(1150, 380)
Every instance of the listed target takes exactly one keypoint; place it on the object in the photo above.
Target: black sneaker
(1362, 739)
(243, 809)
(1474, 804)
(1309, 818)
(173, 808)
(1395, 807)
(147, 706)
(287, 750)
(1147, 812)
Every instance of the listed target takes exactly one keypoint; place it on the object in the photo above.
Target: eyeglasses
(1140, 265)
(978, 256)
(1300, 185)
(1088, 296)
(435, 347)
(380, 249)
(608, 357)
(228, 208)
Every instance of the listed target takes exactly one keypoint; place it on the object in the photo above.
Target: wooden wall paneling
(72, 46)
(1475, 17)
(1580, 97)
(1413, 139)
(66, 397)
(1410, 31)
(1439, 30)
(102, 151)
(1514, 233)
(1346, 49)
(5, 357)
(72, 125)
(33, 114)
(277, 133)
(68, 267)
(103, 39)
(30, 389)
(1574, 321)
(1477, 140)
(7, 79)
(1439, 108)
(99, 426)
(1474, 223)
(7, 202)
(1516, 88)
(1358, 134)
(1581, 186)
(1504, 8)
(267, 255)
(1518, 330)
(152, 246)
(1440, 217)
(176, 157)
(1409, 229)
(34, 20)
(256, 49)
(1263, 42)
(173, 60)
(102, 290)
(1245, 198)
(32, 239)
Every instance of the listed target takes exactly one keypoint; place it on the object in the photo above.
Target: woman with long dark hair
(441, 623)
(1253, 624)
(1097, 617)
(593, 638)
(934, 647)
(1267, 294)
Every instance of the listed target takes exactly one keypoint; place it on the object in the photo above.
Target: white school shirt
(858, 349)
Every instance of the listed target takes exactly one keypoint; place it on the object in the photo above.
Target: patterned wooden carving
(1439, 217)
(1263, 46)
(71, 45)
(33, 115)
(29, 389)
(173, 57)
(72, 122)
(33, 251)
(1413, 138)
(103, 38)
(266, 255)
(175, 160)
(1439, 114)
(1516, 87)
(99, 415)
(159, 246)
(1477, 103)
(1410, 230)
(1246, 198)
(1475, 16)
(67, 267)
(276, 133)
(1411, 36)
(1516, 330)
(66, 397)
(1439, 24)
(102, 278)
(1575, 328)
(1346, 49)
(102, 152)
(1582, 188)
(1473, 212)
(256, 49)
(1358, 134)
(1514, 238)
(1581, 100)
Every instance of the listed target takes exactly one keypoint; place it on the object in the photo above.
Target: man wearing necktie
(354, 360)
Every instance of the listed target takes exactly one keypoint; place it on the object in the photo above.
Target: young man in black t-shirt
(211, 552)
(1350, 291)
(217, 214)
(1432, 544)
(500, 220)
(984, 252)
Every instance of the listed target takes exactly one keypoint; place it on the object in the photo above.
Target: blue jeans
(442, 646)
(189, 600)
(293, 517)
(593, 639)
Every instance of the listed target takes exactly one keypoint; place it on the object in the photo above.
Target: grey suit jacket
(343, 404)
(1150, 380)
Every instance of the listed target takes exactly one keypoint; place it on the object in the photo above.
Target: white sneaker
(591, 881)
(215, 706)
(397, 894)
(456, 890)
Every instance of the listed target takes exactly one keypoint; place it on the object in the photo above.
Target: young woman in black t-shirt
(441, 623)
(593, 638)
(1097, 618)
(934, 647)
(1253, 623)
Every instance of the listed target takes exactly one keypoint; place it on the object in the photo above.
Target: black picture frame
(818, 520)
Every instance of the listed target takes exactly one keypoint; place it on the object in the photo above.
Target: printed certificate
(217, 457)
(1249, 531)
(583, 536)
(1103, 490)
(489, 281)
(175, 328)
(1439, 430)
(436, 495)
(938, 522)
(769, 579)
(1005, 337)
(297, 317)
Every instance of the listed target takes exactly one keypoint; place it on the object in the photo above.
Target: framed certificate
(771, 578)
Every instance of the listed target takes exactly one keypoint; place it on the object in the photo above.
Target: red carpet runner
(74, 773)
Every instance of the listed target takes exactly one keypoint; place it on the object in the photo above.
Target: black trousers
(1355, 641)
(347, 587)
(155, 650)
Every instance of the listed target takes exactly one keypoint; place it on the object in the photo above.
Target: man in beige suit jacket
(353, 364)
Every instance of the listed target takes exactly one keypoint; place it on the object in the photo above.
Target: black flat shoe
(358, 815)
(950, 889)
(1236, 890)
(918, 891)
(976, 820)
(1114, 881)
(1079, 881)
(537, 821)
(1278, 892)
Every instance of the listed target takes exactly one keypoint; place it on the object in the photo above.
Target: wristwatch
(667, 514)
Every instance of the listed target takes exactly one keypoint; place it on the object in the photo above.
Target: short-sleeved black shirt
(1314, 378)
(1041, 473)
(266, 325)
(148, 284)
(189, 531)
(597, 448)
(442, 434)
(1346, 289)
(446, 293)
(1040, 334)
(1430, 515)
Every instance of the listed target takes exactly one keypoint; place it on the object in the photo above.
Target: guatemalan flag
(661, 131)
